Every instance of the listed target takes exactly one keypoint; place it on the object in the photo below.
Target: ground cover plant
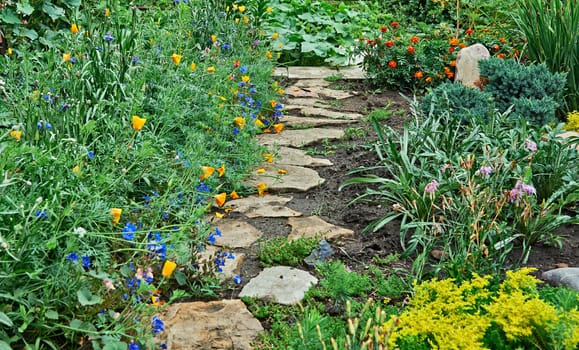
(117, 139)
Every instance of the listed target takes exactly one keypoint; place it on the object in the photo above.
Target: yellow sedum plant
(447, 315)
(572, 121)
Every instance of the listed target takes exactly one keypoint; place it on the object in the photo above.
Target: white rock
(281, 284)
(467, 71)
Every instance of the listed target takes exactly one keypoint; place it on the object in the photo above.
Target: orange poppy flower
(221, 170)
(116, 214)
(234, 195)
(138, 122)
(168, 268)
(281, 171)
(418, 75)
(74, 28)
(16, 134)
(207, 172)
(278, 127)
(240, 122)
(260, 171)
(454, 42)
(414, 39)
(268, 157)
(220, 199)
(261, 188)
(176, 59)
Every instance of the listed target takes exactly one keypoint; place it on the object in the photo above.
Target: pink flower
(485, 171)
(431, 187)
(109, 284)
(530, 145)
(516, 194)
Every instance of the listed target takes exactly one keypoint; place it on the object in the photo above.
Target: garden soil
(335, 206)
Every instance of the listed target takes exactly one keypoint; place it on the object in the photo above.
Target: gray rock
(327, 113)
(300, 138)
(295, 179)
(298, 157)
(270, 206)
(320, 254)
(236, 234)
(225, 324)
(567, 276)
(281, 284)
(314, 226)
(467, 71)
(293, 121)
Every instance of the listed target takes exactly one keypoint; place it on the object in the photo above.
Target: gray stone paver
(293, 121)
(295, 179)
(294, 156)
(314, 226)
(567, 276)
(300, 138)
(280, 284)
(269, 206)
(236, 234)
(328, 113)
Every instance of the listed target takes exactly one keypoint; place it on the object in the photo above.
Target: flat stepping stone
(280, 284)
(293, 121)
(567, 134)
(314, 226)
(298, 157)
(307, 83)
(299, 102)
(328, 113)
(567, 276)
(300, 138)
(236, 234)
(270, 206)
(225, 324)
(348, 73)
(295, 179)
(231, 267)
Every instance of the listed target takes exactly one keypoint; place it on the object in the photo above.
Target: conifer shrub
(462, 102)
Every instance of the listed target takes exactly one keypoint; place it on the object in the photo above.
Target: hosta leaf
(52, 10)
(9, 17)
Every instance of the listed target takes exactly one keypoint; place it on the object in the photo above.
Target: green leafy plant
(281, 251)
(341, 284)
(551, 39)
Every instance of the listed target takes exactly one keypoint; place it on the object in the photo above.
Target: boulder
(467, 71)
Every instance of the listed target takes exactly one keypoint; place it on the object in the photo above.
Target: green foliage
(341, 284)
(551, 33)
(462, 102)
(534, 92)
(471, 190)
(281, 251)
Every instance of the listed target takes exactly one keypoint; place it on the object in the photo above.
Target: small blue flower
(90, 154)
(211, 238)
(230, 256)
(73, 59)
(163, 346)
(128, 231)
(47, 125)
(237, 279)
(157, 325)
(218, 232)
(134, 346)
(243, 69)
(41, 214)
(135, 60)
(235, 131)
(72, 257)
(64, 107)
(109, 37)
(225, 46)
(86, 261)
(253, 90)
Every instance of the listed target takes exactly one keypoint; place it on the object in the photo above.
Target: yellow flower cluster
(572, 121)
(447, 315)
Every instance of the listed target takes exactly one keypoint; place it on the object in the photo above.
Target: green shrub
(341, 284)
(462, 102)
(534, 92)
(281, 251)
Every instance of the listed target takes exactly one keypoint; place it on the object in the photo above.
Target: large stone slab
(296, 91)
(236, 234)
(280, 284)
(467, 71)
(299, 102)
(314, 226)
(300, 138)
(328, 113)
(294, 156)
(307, 83)
(296, 179)
(225, 324)
(231, 267)
(293, 121)
(270, 206)
(567, 276)
(311, 72)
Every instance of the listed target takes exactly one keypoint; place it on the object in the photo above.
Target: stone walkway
(309, 119)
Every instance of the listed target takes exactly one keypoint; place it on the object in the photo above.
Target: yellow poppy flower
(259, 123)
(245, 78)
(240, 122)
(207, 172)
(176, 59)
(116, 214)
(221, 170)
(245, 20)
(268, 10)
(193, 66)
(281, 171)
(168, 268)
(138, 122)
(76, 169)
(234, 195)
(74, 28)
(275, 36)
(219, 215)
(278, 127)
(268, 157)
(261, 188)
(9, 51)
(213, 38)
(268, 54)
(241, 9)
(66, 57)
(211, 69)
(16, 134)
(107, 12)
(260, 171)
(220, 199)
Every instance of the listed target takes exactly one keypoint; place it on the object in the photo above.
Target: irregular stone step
(567, 276)
(296, 179)
(270, 206)
(314, 226)
(307, 83)
(348, 73)
(280, 284)
(236, 234)
(293, 121)
(298, 157)
(225, 324)
(297, 103)
(316, 91)
(232, 266)
(300, 138)
(328, 113)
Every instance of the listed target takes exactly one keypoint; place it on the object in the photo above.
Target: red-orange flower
(451, 49)
(414, 39)
(389, 43)
(394, 24)
(501, 55)
(220, 199)
(453, 63)
(469, 31)
(234, 195)
(454, 42)
(383, 29)
(418, 75)
(207, 172)
(496, 47)
(392, 64)
(428, 80)
(411, 50)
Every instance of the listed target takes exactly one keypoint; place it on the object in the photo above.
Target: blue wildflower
(73, 60)
(41, 214)
(134, 346)
(72, 257)
(90, 154)
(243, 69)
(253, 90)
(218, 232)
(64, 107)
(129, 231)
(109, 37)
(235, 131)
(211, 238)
(157, 325)
(86, 261)
(230, 256)
(225, 46)
(237, 279)
(135, 60)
